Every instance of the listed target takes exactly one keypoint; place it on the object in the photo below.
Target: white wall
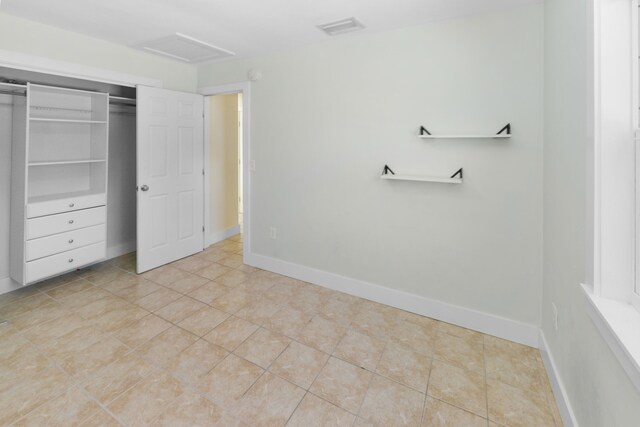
(325, 120)
(599, 391)
(28, 37)
(223, 162)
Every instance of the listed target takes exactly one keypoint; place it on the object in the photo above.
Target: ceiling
(245, 27)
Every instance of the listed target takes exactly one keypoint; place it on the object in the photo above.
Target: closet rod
(14, 93)
(119, 100)
(123, 100)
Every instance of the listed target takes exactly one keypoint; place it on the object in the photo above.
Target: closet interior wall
(121, 214)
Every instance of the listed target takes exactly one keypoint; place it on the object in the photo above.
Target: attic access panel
(184, 48)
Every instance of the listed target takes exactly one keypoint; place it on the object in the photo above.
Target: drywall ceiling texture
(599, 390)
(246, 27)
(27, 37)
(326, 119)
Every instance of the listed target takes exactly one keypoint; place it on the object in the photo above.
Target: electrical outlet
(273, 233)
(555, 316)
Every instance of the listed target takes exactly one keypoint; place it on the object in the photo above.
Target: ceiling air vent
(342, 26)
(184, 48)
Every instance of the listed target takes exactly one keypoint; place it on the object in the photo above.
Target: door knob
(145, 188)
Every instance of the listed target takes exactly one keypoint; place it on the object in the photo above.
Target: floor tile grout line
(426, 392)
(348, 327)
(72, 380)
(306, 392)
(370, 381)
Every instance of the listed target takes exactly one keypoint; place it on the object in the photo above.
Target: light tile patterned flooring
(210, 341)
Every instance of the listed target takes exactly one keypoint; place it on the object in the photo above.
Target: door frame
(245, 89)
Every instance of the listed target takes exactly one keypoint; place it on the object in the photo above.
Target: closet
(97, 171)
(72, 196)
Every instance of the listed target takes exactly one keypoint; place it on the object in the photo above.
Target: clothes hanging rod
(14, 93)
(22, 86)
(118, 100)
(8, 88)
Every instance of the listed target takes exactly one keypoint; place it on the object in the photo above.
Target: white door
(170, 147)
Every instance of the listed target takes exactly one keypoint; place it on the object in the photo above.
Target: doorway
(224, 141)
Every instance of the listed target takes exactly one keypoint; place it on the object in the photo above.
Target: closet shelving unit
(59, 181)
(456, 178)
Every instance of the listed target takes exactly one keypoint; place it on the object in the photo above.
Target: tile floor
(210, 341)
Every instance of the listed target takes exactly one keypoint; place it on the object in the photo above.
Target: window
(635, 52)
(613, 182)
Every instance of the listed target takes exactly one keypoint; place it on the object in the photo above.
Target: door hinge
(203, 172)
(203, 228)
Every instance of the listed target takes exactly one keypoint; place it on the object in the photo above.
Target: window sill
(619, 324)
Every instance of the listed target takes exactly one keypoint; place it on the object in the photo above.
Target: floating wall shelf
(504, 133)
(456, 178)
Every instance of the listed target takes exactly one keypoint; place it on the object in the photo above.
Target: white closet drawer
(65, 204)
(45, 246)
(66, 261)
(61, 223)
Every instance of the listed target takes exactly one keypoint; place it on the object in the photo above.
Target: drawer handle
(70, 259)
(70, 240)
(71, 205)
(70, 221)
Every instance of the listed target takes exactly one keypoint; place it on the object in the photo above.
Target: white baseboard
(472, 319)
(119, 250)
(8, 285)
(218, 236)
(559, 392)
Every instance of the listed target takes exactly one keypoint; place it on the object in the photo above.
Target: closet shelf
(387, 173)
(503, 133)
(61, 196)
(39, 119)
(66, 162)
(77, 110)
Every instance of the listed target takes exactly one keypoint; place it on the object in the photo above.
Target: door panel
(170, 162)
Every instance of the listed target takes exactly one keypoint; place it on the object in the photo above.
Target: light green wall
(599, 390)
(33, 38)
(327, 118)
